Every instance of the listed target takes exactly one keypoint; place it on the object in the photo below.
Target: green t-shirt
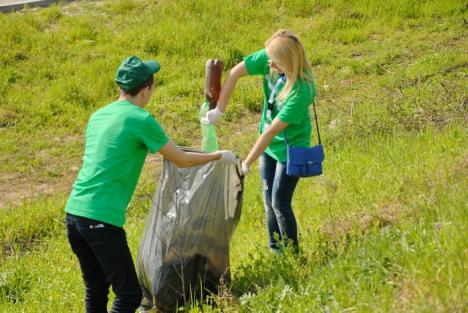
(118, 138)
(294, 110)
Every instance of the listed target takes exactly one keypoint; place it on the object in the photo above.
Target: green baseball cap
(133, 72)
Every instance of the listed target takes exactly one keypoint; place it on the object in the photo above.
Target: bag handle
(316, 124)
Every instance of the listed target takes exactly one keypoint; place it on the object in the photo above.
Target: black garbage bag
(184, 250)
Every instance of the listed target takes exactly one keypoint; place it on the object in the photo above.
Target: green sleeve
(296, 106)
(257, 63)
(153, 135)
(294, 110)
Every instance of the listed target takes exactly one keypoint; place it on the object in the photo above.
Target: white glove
(245, 169)
(228, 157)
(212, 116)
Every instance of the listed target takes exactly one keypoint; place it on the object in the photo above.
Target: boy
(118, 137)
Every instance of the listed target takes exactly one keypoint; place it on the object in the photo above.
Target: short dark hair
(148, 83)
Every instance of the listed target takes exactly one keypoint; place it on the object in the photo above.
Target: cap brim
(153, 66)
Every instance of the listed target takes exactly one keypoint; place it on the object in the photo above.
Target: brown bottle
(213, 73)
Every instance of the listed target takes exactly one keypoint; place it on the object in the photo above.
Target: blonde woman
(289, 90)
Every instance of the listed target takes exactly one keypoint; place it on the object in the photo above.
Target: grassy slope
(383, 230)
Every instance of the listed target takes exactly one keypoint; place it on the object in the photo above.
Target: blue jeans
(277, 196)
(105, 261)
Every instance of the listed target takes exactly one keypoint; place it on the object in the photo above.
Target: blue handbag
(305, 161)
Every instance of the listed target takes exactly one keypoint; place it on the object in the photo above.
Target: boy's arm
(188, 159)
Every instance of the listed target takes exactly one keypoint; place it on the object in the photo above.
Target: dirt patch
(389, 213)
(462, 165)
(17, 187)
(17, 248)
(422, 79)
(338, 228)
(413, 293)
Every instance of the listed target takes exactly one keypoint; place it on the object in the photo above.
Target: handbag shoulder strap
(316, 124)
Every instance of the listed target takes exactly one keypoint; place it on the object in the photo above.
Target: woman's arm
(262, 143)
(234, 74)
(188, 159)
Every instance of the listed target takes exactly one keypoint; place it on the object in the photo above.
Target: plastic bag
(184, 250)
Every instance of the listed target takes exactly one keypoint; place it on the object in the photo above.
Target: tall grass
(366, 247)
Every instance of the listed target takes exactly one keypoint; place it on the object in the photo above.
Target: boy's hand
(228, 157)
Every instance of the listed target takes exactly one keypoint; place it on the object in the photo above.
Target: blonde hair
(287, 52)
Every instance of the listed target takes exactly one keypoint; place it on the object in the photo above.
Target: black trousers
(105, 261)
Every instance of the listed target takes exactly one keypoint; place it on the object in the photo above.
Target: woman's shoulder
(259, 54)
(304, 89)
(257, 62)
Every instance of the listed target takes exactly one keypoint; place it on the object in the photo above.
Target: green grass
(383, 230)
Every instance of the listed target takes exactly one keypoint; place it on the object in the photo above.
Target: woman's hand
(245, 169)
(212, 116)
(234, 74)
(263, 141)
